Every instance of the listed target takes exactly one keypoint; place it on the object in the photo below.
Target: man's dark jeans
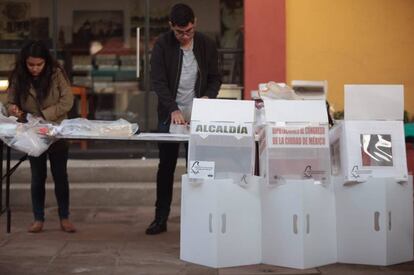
(168, 154)
(58, 157)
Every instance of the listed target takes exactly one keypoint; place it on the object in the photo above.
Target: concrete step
(105, 171)
(96, 194)
(103, 183)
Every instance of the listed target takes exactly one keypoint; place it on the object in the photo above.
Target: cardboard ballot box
(374, 221)
(298, 228)
(220, 222)
(370, 142)
(222, 140)
(368, 149)
(374, 200)
(294, 143)
(298, 206)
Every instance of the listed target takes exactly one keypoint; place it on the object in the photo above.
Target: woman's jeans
(58, 157)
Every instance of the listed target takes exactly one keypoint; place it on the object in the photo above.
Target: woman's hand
(14, 110)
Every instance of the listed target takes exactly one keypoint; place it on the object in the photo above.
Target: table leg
(8, 190)
(9, 173)
(1, 177)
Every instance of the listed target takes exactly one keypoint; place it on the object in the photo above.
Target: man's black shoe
(156, 227)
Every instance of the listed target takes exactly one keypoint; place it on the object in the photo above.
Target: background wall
(264, 43)
(351, 42)
(207, 21)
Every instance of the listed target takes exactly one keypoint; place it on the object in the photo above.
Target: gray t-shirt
(186, 91)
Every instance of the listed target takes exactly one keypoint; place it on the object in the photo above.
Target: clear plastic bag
(85, 127)
(8, 126)
(3, 109)
(273, 90)
(32, 138)
(31, 142)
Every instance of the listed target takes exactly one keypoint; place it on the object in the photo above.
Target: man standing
(184, 65)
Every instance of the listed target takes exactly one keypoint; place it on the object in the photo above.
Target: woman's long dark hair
(21, 79)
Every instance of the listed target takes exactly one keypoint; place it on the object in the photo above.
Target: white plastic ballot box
(374, 196)
(220, 222)
(294, 143)
(298, 205)
(221, 142)
(370, 142)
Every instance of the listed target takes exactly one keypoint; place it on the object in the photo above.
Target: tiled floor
(112, 241)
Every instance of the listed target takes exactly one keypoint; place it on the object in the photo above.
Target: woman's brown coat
(56, 104)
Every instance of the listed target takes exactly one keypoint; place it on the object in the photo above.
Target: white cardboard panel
(281, 245)
(374, 102)
(400, 222)
(240, 209)
(223, 110)
(220, 223)
(296, 111)
(366, 235)
(298, 224)
(197, 241)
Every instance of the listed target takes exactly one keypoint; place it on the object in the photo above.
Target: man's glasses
(181, 33)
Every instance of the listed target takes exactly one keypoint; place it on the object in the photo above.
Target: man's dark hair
(181, 15)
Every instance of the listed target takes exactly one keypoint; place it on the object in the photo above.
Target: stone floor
(112, 241)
